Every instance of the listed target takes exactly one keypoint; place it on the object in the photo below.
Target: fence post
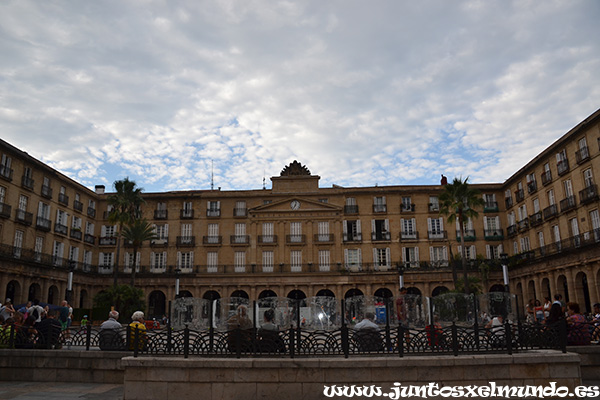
(169, 338)
(388, 336)
(136, 341)
(508, 335)
(186, 342)
(454, 339)
(345, 343)
(400, 340)
(562, 335)
(88, 335)
(292, 343)
(128, 337)
(211, 331)
(238, 342)
(11, 339)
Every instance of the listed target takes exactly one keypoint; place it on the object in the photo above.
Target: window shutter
(404, 254)
(178, 259)
(500, 249)
(375, 260)
(441, 224)
(431, 256)
(386, 224)
(488, 252)
(191, 259)
(373, 226)
(152, 260)
(218, 205)
(387, 256)
(359, 257)
(345, 228)
(429, 224)
(416, 254)
(485, 224)
(103, 231)
(358, 228)
(166, 230)
(346, 256)
(126, 261)
(498, 222)
(473, 252)
(164, 259)
(445, 252)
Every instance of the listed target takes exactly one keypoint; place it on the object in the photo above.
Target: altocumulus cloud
(362, 93)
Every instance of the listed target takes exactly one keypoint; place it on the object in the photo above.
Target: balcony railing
(240, 212)
(91, 239)
(63, 199)
(409, 235)
(213, 213)
(352, 237)
(437, 235)
(212, 240)
(78, 206)
(381, 236)
(46, 191)
(295, 239)
(519, 195)
(493, 234)
(185, 241)
(60, 228)
(76, 233)
(160, 242)
(531, 187)
(490, 206)
(379, 208)
(107, 241)
(6, 172)
(550, 211)
(5, 210)
(23, 217)
(239, 239)
(351, 209)
(508, 202)
(407, 207)
(27, 182)
(562, 166)
(511, 230)
(186, 213)
(582, 155)
(43, 224)
(469, 235)
(267, 239)
(536, 219)
(91, 212)
(523, 225)
(568, 203)
(161, 214)
(323, 238)
(588, 194)
(546, 177)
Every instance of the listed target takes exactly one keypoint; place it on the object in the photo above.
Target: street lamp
(504, 262)
(177, 271)
(401, 275)
(69, 293)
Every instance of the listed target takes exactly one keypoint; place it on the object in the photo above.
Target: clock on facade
(295, 205)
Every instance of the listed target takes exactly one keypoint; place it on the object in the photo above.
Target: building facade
(298, 239)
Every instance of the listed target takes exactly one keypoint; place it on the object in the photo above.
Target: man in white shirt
(367, 322)
(36, 310)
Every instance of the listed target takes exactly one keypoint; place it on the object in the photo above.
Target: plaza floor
(59, 391)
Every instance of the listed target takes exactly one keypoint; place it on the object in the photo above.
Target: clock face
(295, 205)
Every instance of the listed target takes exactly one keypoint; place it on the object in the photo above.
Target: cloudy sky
(361, 92)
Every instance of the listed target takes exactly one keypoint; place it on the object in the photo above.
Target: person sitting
(110, 333)
(578, 332)
(367, 334)
(269, 339)
(496, 331)
(240, 330)
(49, 331)
(137, 326)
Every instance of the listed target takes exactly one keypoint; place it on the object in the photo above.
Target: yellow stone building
(301, 240)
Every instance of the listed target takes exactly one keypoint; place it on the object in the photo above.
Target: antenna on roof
(264, 180)
(212, 176)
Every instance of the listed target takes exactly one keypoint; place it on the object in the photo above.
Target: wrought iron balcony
(490, 206)
(434, 207)
(160, 242)
(60, 228)
(77, 206)
(407, 207)
(469, 235)
(27, 182)
(353, 237)
(161, 214)
(63, 199)
(295, 239)
(91, 212)
(582, 155)
(6, 172)
(185, 241)
(381, 236)
(519, 195)
(511, 230)
(379, 208)
(186, 213)
(76, 233)
(107, 241)
(493, 234)
(5, 210)
(240, 212)
(46, 191)
(409, 235)
(531, 187)
(546, 177)
(323, 238)
(562, 166)
(437, 235)
(43, 224)
(550, 211)
(23, 217)
(213, 213)
(212, 240)
(508, 202)
(239, 239)
(91, 239)
(350, 209)
(536, 219)
(588, 194)
(568, 203)
(523, 225)
(267, 239)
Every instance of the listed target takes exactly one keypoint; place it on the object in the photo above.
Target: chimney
(100, 189)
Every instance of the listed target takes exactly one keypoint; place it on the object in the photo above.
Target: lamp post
(69, 293)
(401, 275)
(177, 271)
(504, 262)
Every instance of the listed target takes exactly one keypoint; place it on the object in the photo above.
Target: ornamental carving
(295, 169)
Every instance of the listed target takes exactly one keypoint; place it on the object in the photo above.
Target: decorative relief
(295, 169)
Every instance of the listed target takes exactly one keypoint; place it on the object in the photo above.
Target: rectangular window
(158, 261)
(296, 261)
(588, 179)
(240, 233)
(434, 203)
(381, 259)
(525, 245)
(352, 231)
(438, 256)
(323, 235)
(108, 231)
(407, 204)
(408, 228)
(296, 232)
(213, 233)
(595, 220)
(267, 232)
(568, 188)
(239, 260)
(493, 251)
(185, 260)
(324, 260)
(353, 259)
(39, 248)
(18, 244)
(212, 261)
(73, 253)
(23, 203)
(161, 232)
(410, 257)
(267, 261)
(379, 204)
(105, 260)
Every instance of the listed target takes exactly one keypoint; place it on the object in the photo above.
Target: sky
(178, 94)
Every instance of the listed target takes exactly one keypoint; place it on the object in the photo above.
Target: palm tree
(137, 233)
(458, 202)
(126, 202)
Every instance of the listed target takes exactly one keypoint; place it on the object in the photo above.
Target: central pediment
(295, 205)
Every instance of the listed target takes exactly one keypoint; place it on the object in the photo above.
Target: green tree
(458, 202)
(124, 298)
(137, 233)
(125, 202)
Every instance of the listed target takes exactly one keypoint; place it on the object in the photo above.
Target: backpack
(35, 313)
